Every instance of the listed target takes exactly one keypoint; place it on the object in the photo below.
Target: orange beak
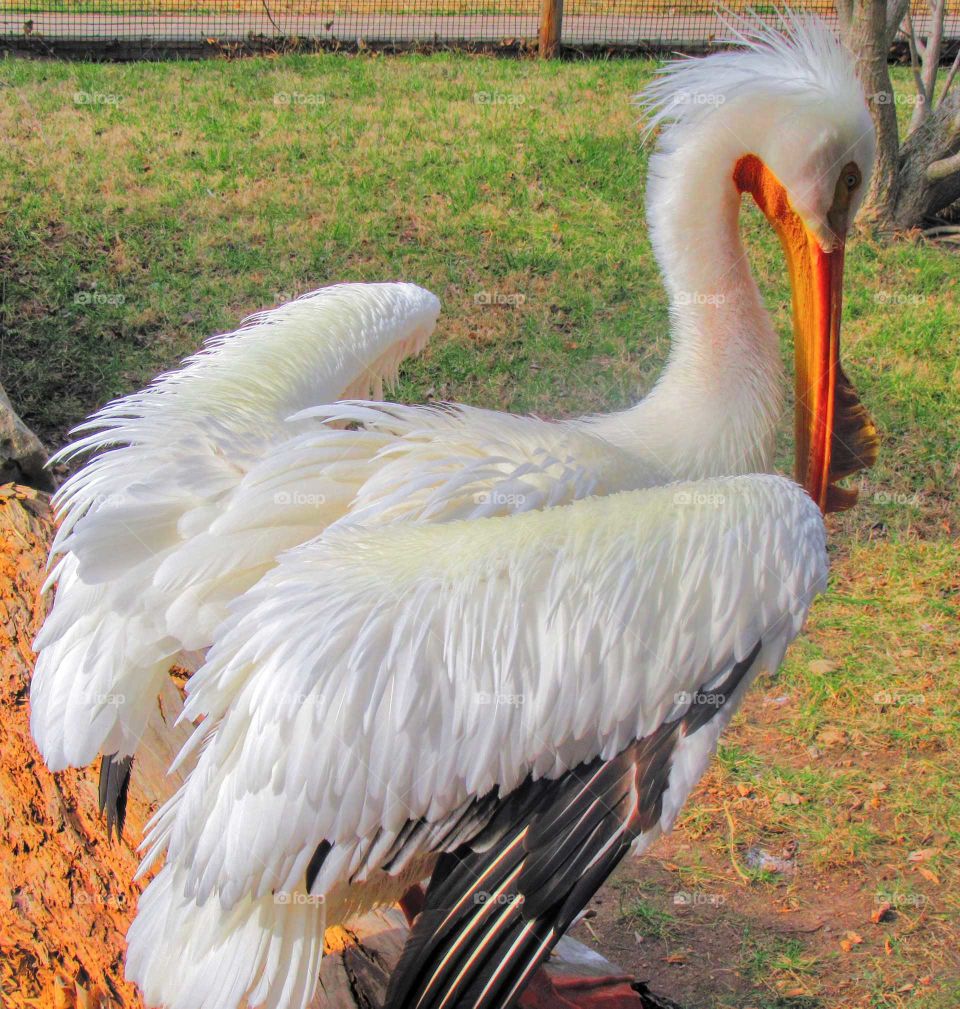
(834, 436)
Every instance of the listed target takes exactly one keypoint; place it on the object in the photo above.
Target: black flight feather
(497, 904)
(114, 786)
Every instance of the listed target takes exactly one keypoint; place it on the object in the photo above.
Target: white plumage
(200, 481)
(399, 636)
(414, 623)
(373, 679)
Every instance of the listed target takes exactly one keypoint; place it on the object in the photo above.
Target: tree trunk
(66, 896)
(914, 182)
(864, 27)
(22, 455)
(928, 176)
(65, 891)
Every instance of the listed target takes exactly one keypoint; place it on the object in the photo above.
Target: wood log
(66, 896)
(66, 891)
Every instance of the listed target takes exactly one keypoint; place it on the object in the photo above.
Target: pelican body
(446, 644)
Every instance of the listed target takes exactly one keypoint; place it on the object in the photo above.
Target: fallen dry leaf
(922, 854)
(819, 667)
(928, 875)
(675, 958)
(789, 799)
(849, 940)
(881, 912)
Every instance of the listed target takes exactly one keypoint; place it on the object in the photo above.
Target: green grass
(176, 198)
(146, 206)
(649, 920)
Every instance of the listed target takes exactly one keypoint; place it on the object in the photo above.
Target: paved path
(664, 29)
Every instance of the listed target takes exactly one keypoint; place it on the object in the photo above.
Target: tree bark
(22, 455)
(65, 891)
(928, 175)
(864, 24)
(919, 179)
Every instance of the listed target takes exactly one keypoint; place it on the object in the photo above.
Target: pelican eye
(851, 177)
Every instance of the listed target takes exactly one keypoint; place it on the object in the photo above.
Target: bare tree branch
(896, 11)
(915, 44)
(951, 75)
(917, 53)
(915, 39)
(942, 231)
(934, 42)
(944, 168)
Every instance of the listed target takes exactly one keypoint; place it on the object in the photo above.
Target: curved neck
(715, 407)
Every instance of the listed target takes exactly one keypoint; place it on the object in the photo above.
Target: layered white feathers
(206, 477)
(797, 55)
(196, 488)
(374, 678)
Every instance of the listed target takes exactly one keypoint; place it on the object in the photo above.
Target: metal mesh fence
(144, 28)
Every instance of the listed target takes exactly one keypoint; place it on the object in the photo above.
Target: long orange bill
(834, 435)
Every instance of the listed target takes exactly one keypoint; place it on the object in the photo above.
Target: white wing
(169, 521)
(205, 478)
(376, 686)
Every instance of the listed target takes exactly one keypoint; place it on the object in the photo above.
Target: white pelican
(346, 750)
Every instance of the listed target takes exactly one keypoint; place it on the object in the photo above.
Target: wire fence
(135, 29)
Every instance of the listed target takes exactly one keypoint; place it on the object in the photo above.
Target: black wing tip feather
(114, 788)
(552, 843)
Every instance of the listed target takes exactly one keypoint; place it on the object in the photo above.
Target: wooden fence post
(551, 22)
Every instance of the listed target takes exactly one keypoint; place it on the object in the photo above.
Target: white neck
(715, 407)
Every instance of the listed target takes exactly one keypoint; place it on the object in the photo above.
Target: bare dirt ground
(693, 920)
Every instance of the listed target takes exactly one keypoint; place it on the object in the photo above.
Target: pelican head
(783, 118)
